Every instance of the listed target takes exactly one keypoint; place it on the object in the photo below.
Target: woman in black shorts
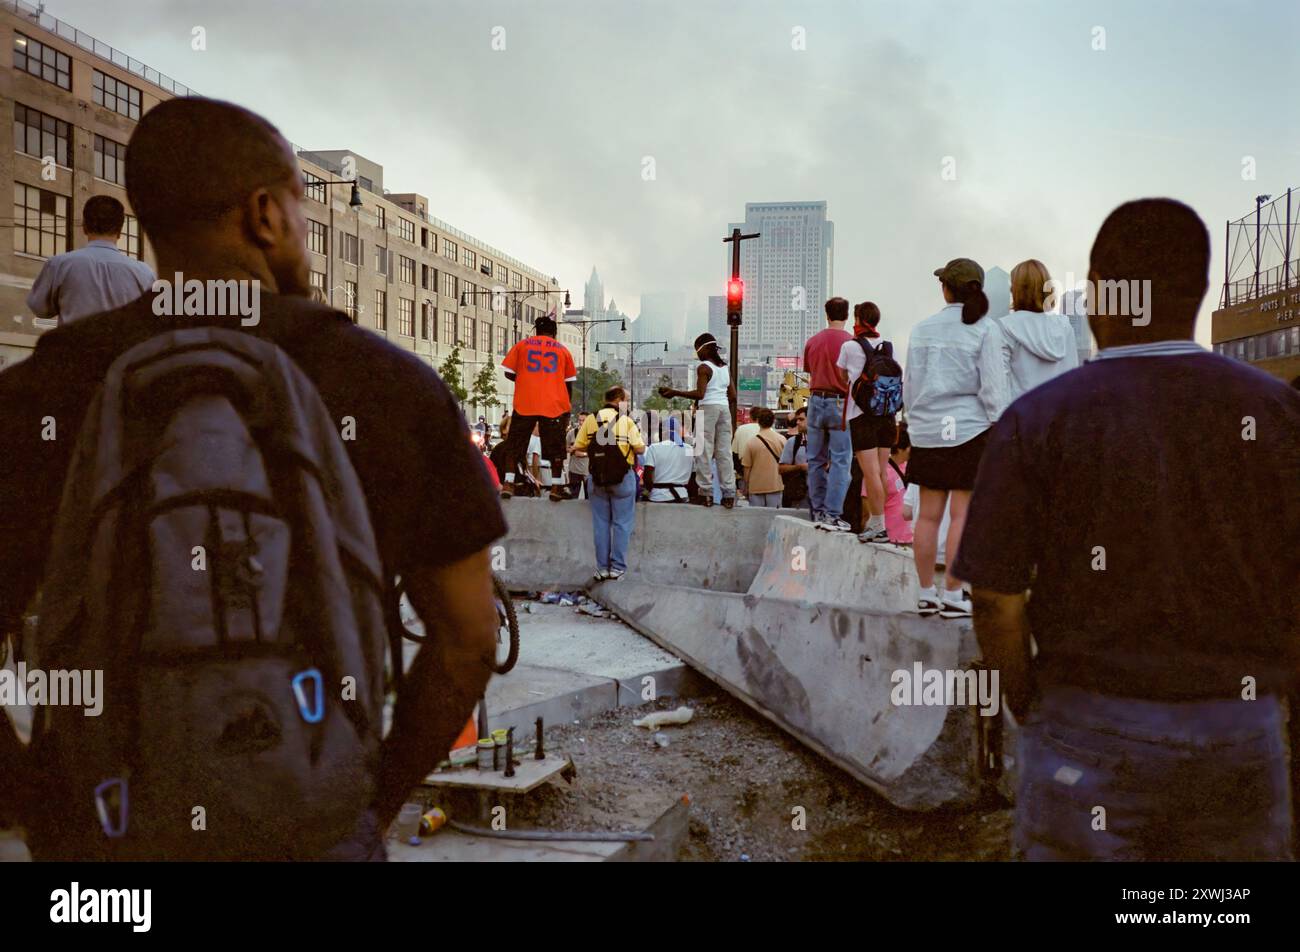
(954, 387)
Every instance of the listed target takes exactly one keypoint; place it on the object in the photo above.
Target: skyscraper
(662, 317)
(1074, 305)
(788, 274)
(718, 317)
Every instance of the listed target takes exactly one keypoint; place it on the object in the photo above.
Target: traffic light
(735, 298)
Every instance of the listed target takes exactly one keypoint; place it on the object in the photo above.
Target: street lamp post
(586, 326)
(631, 346)
(517, 296)
(355, 203)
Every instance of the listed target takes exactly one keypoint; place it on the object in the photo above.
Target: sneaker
(950, 609)
(925, 605)
(613, 576)
(834, 524)
(728, 502)
(705, 501)
(557, 495)
(600, 576)
(878, 536)
(507, 490)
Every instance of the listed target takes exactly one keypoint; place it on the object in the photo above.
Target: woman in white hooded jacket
(1035, 346)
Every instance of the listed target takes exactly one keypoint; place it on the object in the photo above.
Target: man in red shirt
(830, 449)
(543, 373)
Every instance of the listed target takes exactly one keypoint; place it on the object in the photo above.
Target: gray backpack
(213, 555)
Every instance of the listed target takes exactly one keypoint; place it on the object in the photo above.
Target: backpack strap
(775, 455)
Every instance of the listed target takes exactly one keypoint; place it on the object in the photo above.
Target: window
(449, 249)
(485, 337)
(517, 279)
(40, 221)
(350, 299)
(405, 269)
(406, 317)
(503, 274)
(350, 249)
(424, 238)
(317, 237)
(448, 327)
(365, 183)
(467, 331)
(43, 62)
(501, 341)
(428, 277)
(317, 279)
(314, 187)
(115, 95)
(384, 262)
(381, 310)
(406, 230)
(425, 309)
(448, 284)
(40, 135)
(468, 291)
(468, 258)
(381, 218)
(110, 160)
(485, 266)
(129, 240)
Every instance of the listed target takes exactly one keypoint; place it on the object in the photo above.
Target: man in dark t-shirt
(218, 192)
(1149, 499)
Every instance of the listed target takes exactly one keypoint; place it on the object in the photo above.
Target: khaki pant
(713, 442)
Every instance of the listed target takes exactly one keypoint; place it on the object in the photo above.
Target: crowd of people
(1147, 499)
(1156, 681)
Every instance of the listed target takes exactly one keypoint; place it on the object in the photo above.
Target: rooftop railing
(101, 49)
(115, 56)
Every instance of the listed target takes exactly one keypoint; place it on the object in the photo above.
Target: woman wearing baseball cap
(953, 389)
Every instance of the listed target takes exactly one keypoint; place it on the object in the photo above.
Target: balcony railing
(1277, 278)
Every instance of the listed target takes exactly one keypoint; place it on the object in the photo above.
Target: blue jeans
(1186, 780)
(828, 439)
(613, 509)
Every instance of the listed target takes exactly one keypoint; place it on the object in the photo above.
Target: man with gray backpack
(875, 395)
(213, 512)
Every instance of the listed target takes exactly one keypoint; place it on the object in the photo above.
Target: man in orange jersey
(543, 373)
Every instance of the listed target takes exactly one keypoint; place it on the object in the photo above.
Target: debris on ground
(652, 722)
(578, 601)
(756, 793)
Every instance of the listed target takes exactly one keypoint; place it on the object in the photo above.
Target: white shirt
(98, 277)
(744, 433)
(954, 387)
(854, 360)
(1034, 348)
(715, 391)
(672, 465)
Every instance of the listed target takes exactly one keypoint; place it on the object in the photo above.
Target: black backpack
(878, 391)
(608, 462)
(214, 557)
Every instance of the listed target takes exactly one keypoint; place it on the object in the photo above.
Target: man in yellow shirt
(609, 438)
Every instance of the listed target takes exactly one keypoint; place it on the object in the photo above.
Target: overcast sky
(539, 148)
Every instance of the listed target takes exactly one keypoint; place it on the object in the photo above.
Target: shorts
(872, 432)
(947, 467)
(553, 432)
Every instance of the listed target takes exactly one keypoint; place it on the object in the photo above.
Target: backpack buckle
(112, 816)
(312, 713)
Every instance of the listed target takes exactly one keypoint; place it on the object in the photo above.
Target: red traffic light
(735, 292)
